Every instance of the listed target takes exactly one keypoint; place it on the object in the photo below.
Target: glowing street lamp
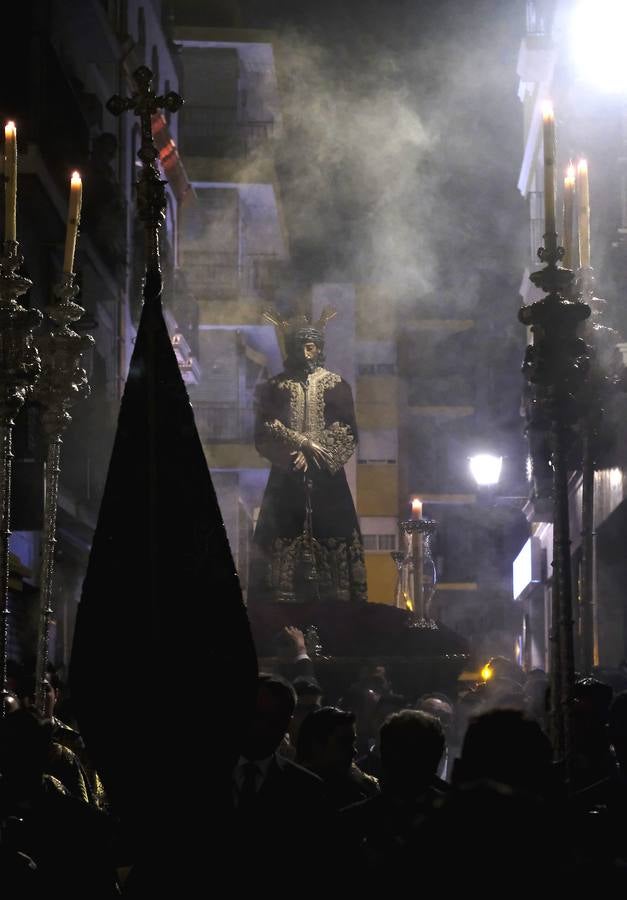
(486, 469)
(598, 29)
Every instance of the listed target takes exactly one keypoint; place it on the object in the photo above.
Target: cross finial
(150, 191)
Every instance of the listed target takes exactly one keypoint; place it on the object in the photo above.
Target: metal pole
(587, 553)
(419, 588)
(62, 383)
(556, 366)
(19, 370)
(53, 470)
(6, 458)
(561, 553)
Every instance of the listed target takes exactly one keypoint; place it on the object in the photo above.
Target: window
(378, 446)
(380, 542)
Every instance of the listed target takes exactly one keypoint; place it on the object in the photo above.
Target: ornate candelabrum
(556, 365)
(19, 370)
(420, 577)
(63, 381)
(398, 557)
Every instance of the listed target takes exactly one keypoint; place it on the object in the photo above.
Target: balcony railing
(224, 423)
(223, 279)
(211, 132)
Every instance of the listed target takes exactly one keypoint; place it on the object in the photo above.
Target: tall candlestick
(548, 133)
(583, 213)
(416, 508)
(569, 200)
(10, 180)
(73, 219)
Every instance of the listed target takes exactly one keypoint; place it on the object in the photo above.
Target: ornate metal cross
(151, 201)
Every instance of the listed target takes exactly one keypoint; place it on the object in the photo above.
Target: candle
(548, 134)
(416, 508)
(10, 180)
(73, 218)
(569, 199)
(583, 213)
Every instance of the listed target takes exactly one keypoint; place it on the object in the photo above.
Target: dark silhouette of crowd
(377, 788)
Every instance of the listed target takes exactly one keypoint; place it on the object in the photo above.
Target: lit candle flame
(73, 219)
(416, 508)
(548, 112)
(487, 673)
(582, 167)
(569, 180)
(9, 130)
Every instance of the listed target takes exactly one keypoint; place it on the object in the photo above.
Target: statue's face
(304, 354)
(311, 351)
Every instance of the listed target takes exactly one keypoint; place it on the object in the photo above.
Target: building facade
(74, 57)
(589, 124)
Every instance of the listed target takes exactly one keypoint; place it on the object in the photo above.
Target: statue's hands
(299, 461)
(316, 453)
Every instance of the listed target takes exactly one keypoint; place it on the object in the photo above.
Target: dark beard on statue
(301, 367)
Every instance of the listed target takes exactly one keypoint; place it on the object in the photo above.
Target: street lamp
(597, 36)
(485, 469)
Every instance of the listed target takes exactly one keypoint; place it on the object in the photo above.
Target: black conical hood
(163, 666)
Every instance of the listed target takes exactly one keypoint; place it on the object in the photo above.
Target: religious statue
(307, 543)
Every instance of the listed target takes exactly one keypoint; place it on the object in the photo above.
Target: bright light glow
(487, 673)
(582, 166)
(598, 29)
(486, 469)
(529, 468)
(616, 478)
(548, 112)
(569, 180)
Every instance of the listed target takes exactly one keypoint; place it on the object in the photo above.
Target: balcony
(214, 132)
(219, 277)
(224, 423)
(207, 278)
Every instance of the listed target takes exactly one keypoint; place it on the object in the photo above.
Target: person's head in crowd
(308, 692)
(373, 676)
(276, 700)
(441, 709)
(618, 728)
(326, 742)
(505, 746)
(308, 698)
(362, 701)
(411, 744)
